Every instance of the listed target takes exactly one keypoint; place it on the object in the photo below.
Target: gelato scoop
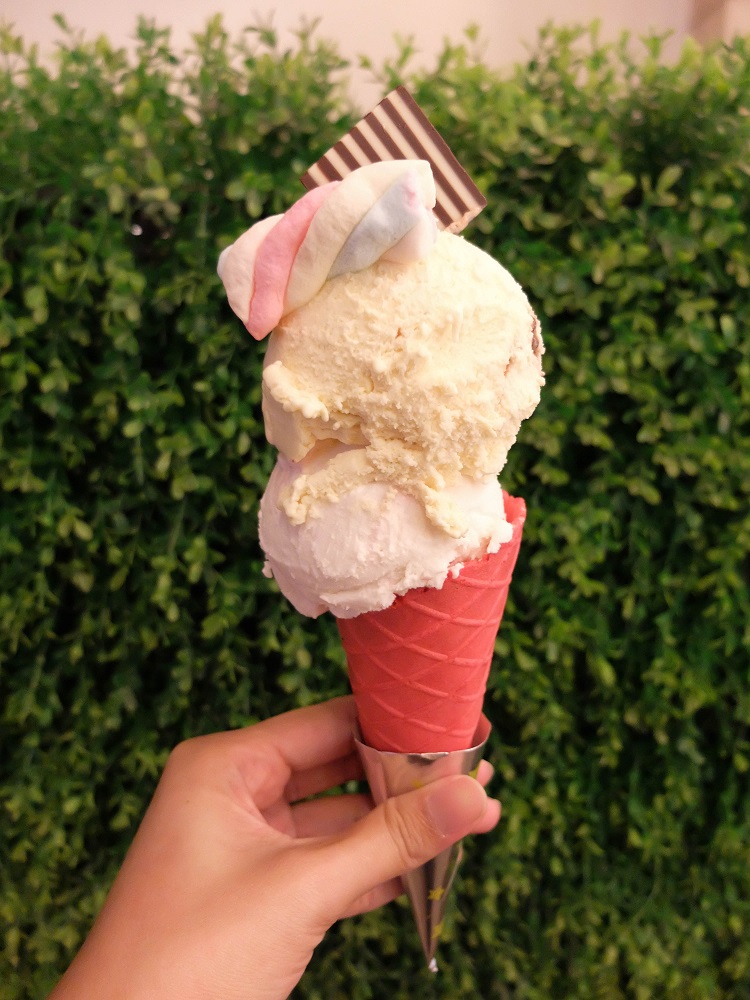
(357, 553)
(426, 370)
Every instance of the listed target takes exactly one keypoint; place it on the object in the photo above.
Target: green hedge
(133, 608)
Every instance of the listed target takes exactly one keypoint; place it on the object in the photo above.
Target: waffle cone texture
(419, 668)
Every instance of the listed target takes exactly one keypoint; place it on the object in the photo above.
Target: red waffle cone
(418, 669)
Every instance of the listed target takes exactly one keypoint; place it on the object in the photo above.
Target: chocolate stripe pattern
(397, 129)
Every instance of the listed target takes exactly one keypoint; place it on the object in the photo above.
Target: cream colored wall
(738, 18)
(362, 26)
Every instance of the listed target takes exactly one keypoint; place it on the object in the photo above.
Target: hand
(236, 872)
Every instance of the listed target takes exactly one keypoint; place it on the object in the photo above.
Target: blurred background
(508, 28)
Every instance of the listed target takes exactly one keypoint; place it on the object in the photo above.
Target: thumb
(401, 834)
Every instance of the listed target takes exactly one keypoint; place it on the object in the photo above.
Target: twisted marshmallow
(381, 211)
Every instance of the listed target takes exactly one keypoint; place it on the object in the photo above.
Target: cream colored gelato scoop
(427, 369)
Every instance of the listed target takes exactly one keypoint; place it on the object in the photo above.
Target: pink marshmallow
(274, 260)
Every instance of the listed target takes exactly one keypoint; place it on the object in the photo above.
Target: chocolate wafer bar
(398, 129)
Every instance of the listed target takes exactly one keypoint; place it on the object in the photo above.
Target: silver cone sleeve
(390, 774)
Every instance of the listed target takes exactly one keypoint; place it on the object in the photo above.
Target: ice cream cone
(418, 669)
(401, 364)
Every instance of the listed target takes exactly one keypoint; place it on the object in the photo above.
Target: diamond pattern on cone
(418, 669)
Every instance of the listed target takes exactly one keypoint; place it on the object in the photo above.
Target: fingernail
(455, 805)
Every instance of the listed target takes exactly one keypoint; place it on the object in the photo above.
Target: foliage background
(133, 609)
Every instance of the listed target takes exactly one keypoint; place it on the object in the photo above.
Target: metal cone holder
(390, 774)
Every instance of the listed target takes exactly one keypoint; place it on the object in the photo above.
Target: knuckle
(185, 755)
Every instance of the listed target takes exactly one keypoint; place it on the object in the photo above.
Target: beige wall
(738, 18)
(366, 27)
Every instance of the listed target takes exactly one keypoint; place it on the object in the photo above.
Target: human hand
(236, 872)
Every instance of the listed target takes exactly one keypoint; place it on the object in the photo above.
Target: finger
(398, 836)
(329, 816)
(375, 898)
(314, 780)
(272, 752)
(490, 819)
(269, 752)
(388, 891)
(485, 773)
(309, 737)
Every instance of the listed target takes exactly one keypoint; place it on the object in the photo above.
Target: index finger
(303, 752)
(310, 737)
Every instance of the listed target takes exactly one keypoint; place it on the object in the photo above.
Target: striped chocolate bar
(397, 129)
